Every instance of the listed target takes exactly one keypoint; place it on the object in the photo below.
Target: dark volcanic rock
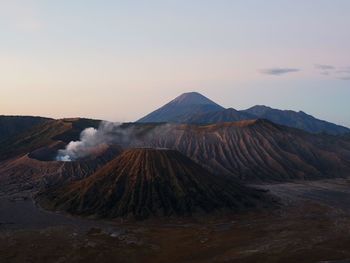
(150, 182)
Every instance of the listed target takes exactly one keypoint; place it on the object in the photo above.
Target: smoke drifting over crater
(91, 141)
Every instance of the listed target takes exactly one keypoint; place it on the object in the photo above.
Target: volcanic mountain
(194, 108)
(152, 182)
(38, 168)
(44, 134)
(181, 108)
(255, 150)
(27, 160)
(294, 119)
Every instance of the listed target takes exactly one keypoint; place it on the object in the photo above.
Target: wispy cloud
(342, 73)
(344, 77)
(324, 67)
(278, 71)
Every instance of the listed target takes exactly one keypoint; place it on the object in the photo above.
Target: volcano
(256, 150)
(151, 182)
(182, 108)
(194, 108)
(43, 135)
(38, 169)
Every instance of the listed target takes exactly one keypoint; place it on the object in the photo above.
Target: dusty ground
(312, 226)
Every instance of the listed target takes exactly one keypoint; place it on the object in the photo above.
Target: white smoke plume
(93, 140)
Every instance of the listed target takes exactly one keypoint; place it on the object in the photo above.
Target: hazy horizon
(118, 60)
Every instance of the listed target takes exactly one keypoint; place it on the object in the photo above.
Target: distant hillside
(226, 115)
(148, 182)
(13, 125)
(255, 150)
(299, 120)
(181, 108)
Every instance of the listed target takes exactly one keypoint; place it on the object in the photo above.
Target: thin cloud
(279, 71)
(344, 78)
(343, 71)
(324, 67)
(343, 74)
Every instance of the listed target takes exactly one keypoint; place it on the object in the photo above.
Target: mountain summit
(193, 98)
(181, 108)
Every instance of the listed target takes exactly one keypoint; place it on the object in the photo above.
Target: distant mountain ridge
(294, 119)
(194, 108)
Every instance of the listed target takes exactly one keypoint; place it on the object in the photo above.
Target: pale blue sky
(118, 60)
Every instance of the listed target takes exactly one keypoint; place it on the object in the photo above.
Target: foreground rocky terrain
(309, 224)
(312, 226)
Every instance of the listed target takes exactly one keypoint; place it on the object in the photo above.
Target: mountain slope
(36, 170)
(179, 109)
(226, 115)
(45, 134)
(298, 120)
(150, 182)
(255, 150)
(13, 125)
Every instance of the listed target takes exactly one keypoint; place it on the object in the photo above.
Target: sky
(119, 60)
